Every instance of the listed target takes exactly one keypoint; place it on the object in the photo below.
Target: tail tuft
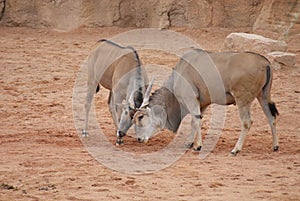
(273, 109)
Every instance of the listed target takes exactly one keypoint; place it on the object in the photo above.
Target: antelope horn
(131, 97)
(147, 94)
(131, 100)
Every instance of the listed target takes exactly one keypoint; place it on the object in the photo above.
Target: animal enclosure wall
(65, 15)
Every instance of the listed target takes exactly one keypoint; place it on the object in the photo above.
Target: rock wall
(69, 14)
(273, 50)
(2, 8)
(282, 16)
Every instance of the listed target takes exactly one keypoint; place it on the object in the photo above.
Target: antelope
(202, 78)
(118, 69)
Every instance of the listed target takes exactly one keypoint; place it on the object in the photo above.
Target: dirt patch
(42, 157)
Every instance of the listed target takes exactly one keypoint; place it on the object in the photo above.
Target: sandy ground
(42, 157)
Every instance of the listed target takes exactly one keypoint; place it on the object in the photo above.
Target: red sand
(42, 157)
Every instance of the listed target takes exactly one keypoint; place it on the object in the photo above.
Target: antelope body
(119, 70)
(201, 78)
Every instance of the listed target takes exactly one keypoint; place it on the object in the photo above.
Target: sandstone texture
(274, 50)
(70, 14)
(252, 42)
(283, 58)
(282, 16)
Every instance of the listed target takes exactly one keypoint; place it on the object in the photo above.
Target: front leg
(195, 138)
(114, 100)
(196, 128)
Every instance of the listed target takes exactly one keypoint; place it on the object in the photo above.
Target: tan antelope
(201, 78)
(119, 70)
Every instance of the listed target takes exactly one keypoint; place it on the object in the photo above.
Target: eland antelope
(202, 78)
(119, 70)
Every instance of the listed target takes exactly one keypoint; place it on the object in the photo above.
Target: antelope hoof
(189, 145)
(276, 148)
(85, 133)
(119, 141)
(140, 140)
(198, 148)
(234, 153)
(120, 134)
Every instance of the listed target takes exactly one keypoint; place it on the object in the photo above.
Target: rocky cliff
(276, 15)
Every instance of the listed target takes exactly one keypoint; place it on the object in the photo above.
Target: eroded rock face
(67, 14)
(284, 59)
(2, 8)
(278, 16)
(274, 50)
(252, 42)
(42, 13)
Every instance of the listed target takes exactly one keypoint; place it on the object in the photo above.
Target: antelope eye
(126, 113)
(141, 117)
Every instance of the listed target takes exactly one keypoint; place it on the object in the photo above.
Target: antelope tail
(267, 90)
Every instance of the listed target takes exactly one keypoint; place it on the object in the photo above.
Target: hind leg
(245, 116)
(271, 119)
(89, 97)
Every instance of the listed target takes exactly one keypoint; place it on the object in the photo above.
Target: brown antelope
(201, 78)
(119, 70)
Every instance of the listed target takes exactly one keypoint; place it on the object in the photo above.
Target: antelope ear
(135, 116)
